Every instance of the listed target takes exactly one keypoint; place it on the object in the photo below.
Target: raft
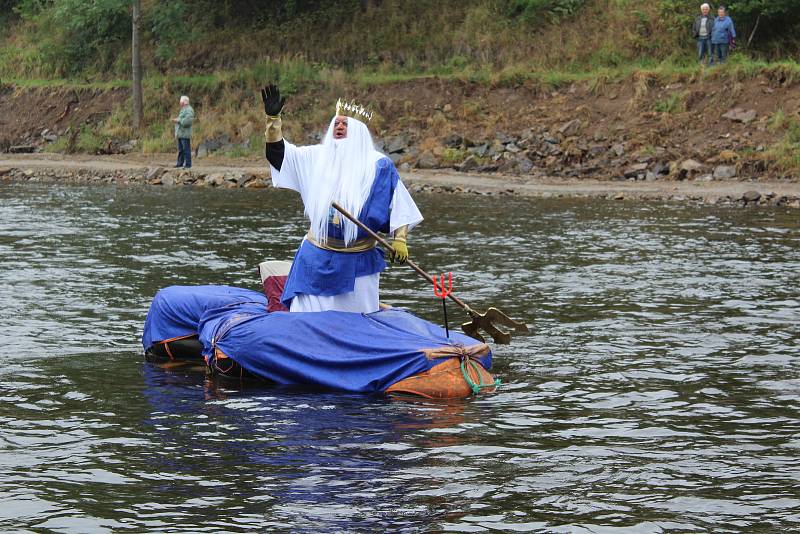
(239, 333)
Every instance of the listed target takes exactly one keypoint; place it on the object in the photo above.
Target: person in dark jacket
(701, 30)
(722, 34)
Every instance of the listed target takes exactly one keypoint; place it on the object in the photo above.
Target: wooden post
(136, 61)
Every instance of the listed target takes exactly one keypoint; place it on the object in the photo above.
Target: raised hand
(273, 102)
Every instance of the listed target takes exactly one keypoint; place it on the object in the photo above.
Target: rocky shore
(253, 175)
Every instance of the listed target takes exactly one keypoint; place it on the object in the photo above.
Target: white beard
(345, 170)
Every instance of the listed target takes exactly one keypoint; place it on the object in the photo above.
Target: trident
(443, 292)
(478, 321)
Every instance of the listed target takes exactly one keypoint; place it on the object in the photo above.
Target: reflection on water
(659, 390)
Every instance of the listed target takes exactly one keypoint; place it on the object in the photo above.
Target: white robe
(297, 174)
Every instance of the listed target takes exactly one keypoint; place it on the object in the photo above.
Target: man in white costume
(338, 265)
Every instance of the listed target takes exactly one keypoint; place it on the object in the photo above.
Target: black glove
(273, 103)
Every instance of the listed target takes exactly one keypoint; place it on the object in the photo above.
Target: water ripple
(658, 391)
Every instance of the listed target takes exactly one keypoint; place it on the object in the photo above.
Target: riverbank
(156, 170)
(649, 125)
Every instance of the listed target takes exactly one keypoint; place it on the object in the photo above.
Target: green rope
(476, 388)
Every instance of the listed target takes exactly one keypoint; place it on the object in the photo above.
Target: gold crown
(352, 109)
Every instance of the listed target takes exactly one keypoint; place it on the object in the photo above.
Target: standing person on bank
(722, 34)
(701, 30)
(183, 133)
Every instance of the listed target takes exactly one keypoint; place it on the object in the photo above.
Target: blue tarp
(176, 310)
(354, 352)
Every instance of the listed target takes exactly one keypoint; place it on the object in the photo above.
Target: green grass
(671, 104)
(786, 152)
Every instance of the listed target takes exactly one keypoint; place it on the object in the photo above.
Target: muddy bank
(706, 126)
(253, 174)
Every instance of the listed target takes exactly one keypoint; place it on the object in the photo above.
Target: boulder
(751, 196)
(153, 173)
(245, 178)
(126, 147)
(397, 145)
(502, 138)
(524, 165)
(480, 150)
(595, 150)
(453, 141)
(547, 138)
(211, 145)
(570, 128)
(740, 115)
(258, 183)
(469, 164)
(618, 149)
(690, 166)
(635, 170)
(168, 180)
(427, 161)
(661, 167)
(724, 172)
(215, 179)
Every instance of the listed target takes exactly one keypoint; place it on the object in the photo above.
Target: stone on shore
(691, 165)
(153, 173)
(740, 115)
(469, 164)
(635, 170)
(751, 196)
(570, 128)
(427, 161)
(397, 145)
(216, 179)
(724, 172)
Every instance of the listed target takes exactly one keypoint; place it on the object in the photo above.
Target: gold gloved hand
(400, 249)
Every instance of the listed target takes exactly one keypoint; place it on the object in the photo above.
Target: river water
(658, 391)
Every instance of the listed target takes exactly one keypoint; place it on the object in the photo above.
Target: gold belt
(338, 245)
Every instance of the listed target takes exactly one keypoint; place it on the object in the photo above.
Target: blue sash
(316, 271)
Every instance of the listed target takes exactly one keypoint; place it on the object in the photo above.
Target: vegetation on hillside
(91, 38)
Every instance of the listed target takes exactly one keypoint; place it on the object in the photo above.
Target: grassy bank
(227, 101)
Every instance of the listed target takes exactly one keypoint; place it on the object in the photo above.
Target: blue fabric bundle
(176, 310)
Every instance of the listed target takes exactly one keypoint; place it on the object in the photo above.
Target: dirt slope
(597, 129)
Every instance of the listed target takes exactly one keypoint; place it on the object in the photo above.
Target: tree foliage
(534, 10)
(72, 37)
(74, 34)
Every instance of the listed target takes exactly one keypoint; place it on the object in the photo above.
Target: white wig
(348, 166)
(184, 99)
